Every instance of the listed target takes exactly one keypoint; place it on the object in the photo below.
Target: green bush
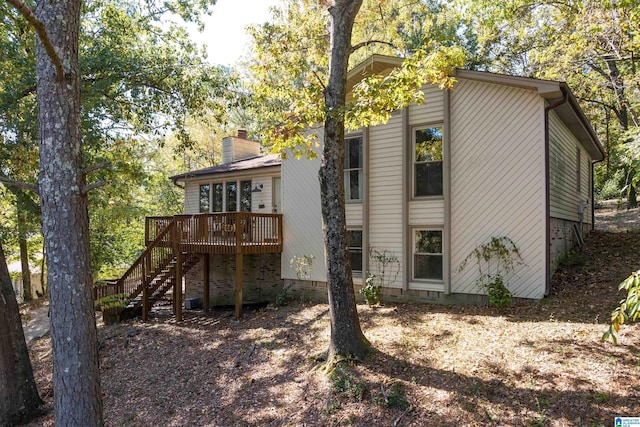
(499, 295)
(371, 290)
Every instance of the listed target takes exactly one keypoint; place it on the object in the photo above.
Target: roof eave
(191, 175)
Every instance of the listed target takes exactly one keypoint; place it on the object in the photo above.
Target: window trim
(414, 253)
(360, 169)
(224, 182)
(438, 124)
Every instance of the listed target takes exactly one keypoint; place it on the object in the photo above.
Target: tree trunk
(622, 113)
(19, 400)
(24, 251)
(76, 381)
(347, 339)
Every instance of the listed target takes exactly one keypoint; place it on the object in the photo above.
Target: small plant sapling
(495, 260)
(387, 268)
(629, 308)
(303, 266)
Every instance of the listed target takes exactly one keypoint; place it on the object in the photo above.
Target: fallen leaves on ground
(532, 364)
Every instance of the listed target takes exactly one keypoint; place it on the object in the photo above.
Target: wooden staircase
(150, 277)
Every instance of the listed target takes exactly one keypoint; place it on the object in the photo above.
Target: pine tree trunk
(632, 197)
(19, 400)
(24, 260)
(76, 382)
(347, 339)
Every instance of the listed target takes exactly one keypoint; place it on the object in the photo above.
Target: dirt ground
(532, 364)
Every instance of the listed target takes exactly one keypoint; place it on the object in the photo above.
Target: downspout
(175, 182)
(547, 189)
(593, 200)
(447, 190)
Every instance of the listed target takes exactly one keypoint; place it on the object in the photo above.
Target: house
(496, 156)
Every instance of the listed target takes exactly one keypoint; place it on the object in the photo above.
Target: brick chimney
(235, 148)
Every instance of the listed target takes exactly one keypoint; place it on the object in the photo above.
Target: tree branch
(93, 186)
(41, 31)
(367, 43)
(96, 167)
(19, 184)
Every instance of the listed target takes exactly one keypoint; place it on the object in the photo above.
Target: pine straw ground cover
(532, 364)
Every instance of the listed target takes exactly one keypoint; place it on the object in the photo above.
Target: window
(427, 148)
(353, 169)
(232, 196)
(217, 197)
(354, 240)
(205, 198)
(427, 254)
(245, 196)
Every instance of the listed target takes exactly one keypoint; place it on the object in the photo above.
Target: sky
(224, 32)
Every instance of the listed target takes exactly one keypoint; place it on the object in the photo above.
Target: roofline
(392, 61)
(584, 121)
(548, 89)
(203, 172)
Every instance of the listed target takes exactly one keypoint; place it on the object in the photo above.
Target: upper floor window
(205, 197)
(353, 168)
(427, 161)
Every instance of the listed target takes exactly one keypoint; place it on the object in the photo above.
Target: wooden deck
(218, 233)
(177, 243)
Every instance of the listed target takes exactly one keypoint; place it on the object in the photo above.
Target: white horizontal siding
(302, 221)
(385, 188)
(192, 189)
(431, 111)
(426, 212)
(497, 180)
(353, 212)
(264, 197)
(191, 197)
(563, 172)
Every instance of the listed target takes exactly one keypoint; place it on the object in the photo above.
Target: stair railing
(158, 254)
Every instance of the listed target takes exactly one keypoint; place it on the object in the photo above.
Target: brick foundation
(563, 239)
(317, 292)
(261, 279)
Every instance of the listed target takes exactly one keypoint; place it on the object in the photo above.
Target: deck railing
(229, 232)
(156, 257)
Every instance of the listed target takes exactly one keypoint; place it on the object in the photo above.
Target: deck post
(177, 287)
(205, 298)
(238, 284)
(145, 303)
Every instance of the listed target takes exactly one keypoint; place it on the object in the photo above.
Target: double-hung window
(427, 254)
(353, 168)
(427, 161)
(354, 238)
